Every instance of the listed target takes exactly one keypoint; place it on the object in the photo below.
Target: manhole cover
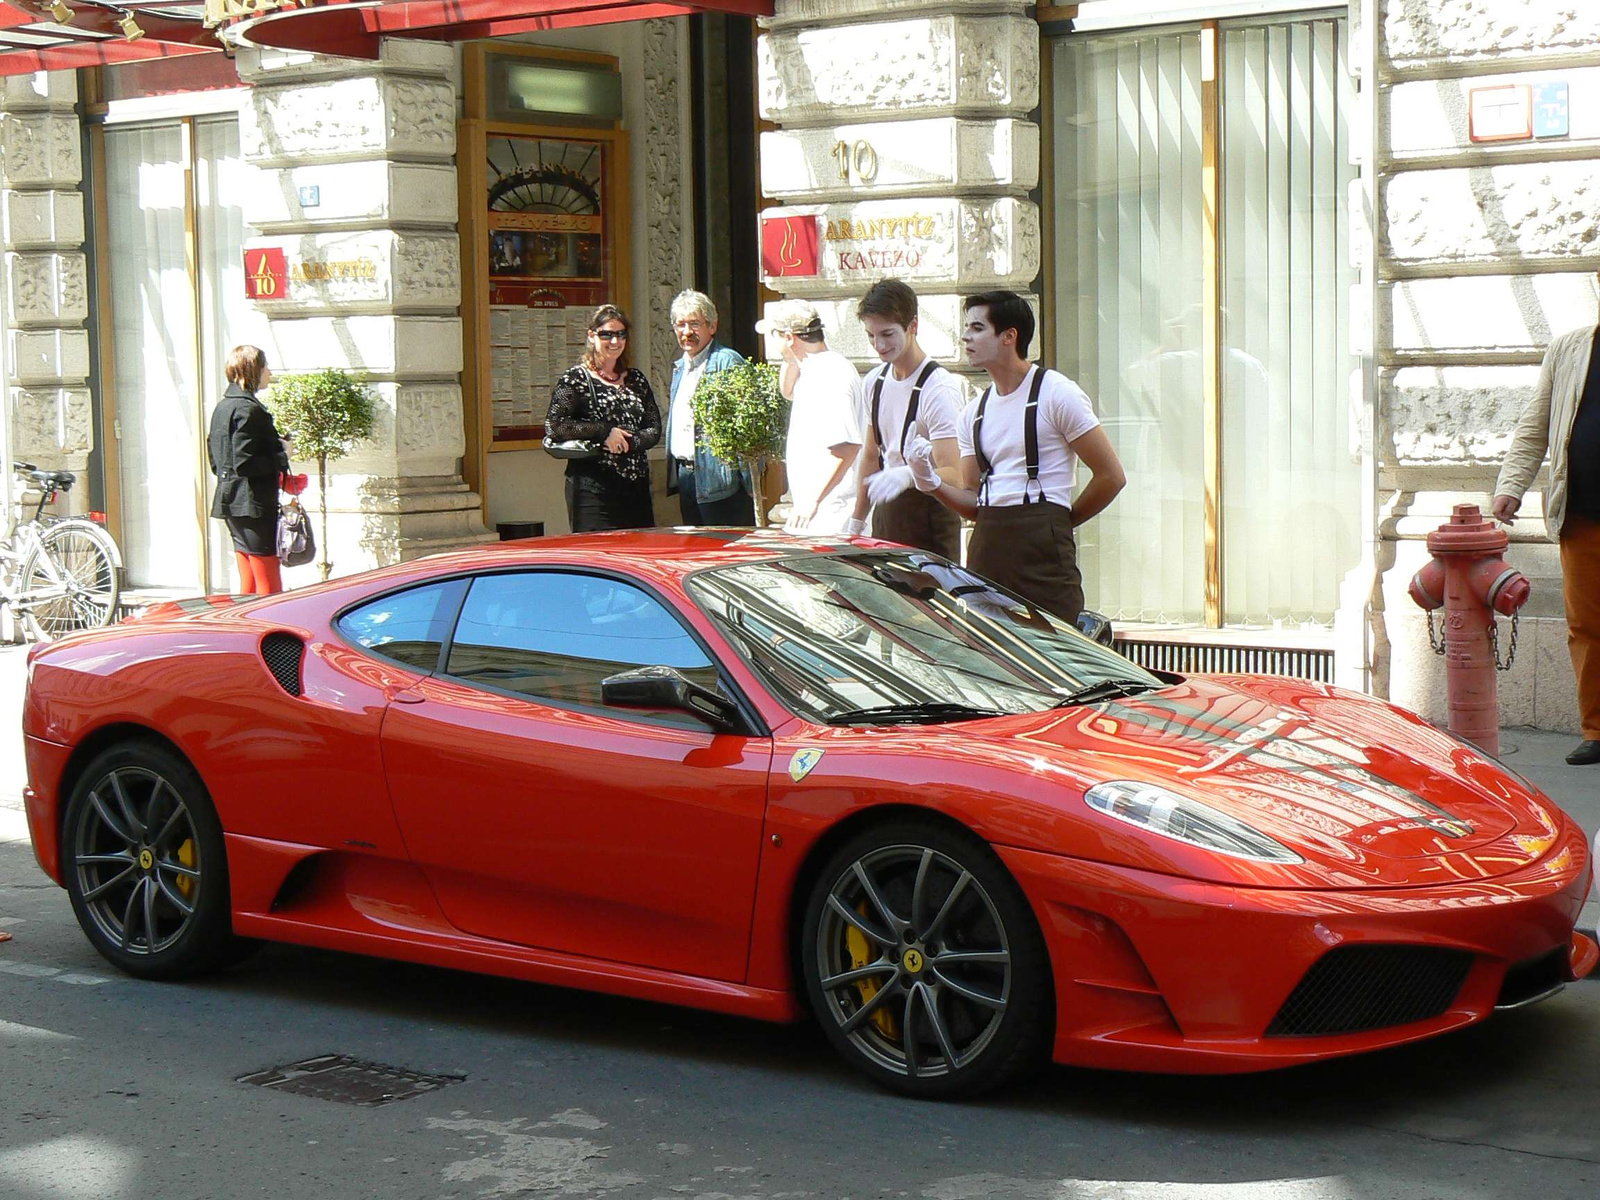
(346, 1080)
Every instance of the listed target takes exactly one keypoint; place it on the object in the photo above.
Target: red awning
(34, 37)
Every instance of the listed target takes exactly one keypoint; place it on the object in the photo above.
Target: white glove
(889, 483)
(855, 527)
(919, 461)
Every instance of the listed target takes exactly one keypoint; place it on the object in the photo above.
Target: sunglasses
(611, 335)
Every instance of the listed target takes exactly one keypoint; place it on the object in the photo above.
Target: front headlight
(1185, 819)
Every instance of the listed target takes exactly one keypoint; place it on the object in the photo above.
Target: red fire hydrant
(1471, 582)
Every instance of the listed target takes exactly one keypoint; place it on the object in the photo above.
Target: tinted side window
(555, 636)
(409, 627)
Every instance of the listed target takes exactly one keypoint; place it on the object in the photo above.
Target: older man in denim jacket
(711, 491)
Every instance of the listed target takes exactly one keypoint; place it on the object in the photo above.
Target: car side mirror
(666, 687)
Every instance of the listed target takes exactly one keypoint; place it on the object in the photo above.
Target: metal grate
(282, 653)
(1188, 658)
(346, 1080)
(1355, 988)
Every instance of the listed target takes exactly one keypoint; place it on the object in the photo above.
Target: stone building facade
(1483, 251)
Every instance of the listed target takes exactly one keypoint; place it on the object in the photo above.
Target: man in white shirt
(910, 396)
(1021, 441)
(710, 490)
(824, 392)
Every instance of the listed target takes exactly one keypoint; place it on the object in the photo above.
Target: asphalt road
(113, 1089)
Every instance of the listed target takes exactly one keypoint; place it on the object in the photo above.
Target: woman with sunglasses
(604, 400)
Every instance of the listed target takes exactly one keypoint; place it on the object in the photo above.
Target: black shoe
(1587, 752)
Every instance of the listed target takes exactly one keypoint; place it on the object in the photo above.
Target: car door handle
(403, 695)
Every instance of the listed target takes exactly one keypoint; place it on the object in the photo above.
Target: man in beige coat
(1563, 418)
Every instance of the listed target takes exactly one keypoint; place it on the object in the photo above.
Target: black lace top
(575, 412)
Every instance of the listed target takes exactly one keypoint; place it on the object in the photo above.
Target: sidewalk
(1536, 754)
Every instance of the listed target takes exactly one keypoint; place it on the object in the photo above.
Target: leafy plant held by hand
(327, 414)
(742, 418)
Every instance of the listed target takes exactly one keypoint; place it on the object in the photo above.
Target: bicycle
(57, 574)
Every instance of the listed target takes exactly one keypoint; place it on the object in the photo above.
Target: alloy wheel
(913, 961)
(136, 858)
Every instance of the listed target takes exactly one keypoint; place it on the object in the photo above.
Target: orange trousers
(1580, 590)
(258, 574)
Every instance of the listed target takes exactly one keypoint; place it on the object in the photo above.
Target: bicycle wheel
(71, 580)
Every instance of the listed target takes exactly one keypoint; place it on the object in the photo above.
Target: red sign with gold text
(266, 273)
(789, 246)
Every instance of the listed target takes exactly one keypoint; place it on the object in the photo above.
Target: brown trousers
(915, 518)
(1029, 550)
(1580, 578)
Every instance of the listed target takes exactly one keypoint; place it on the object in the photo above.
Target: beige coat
(1546, 425)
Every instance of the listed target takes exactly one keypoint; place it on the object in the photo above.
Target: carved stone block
(47, 357)
(1527, 211)
(1432, 116)
(956, 244)
(46, 289)
(406, 56)
(39, 150)
(51, 423)
(915, 65)
(789, 13)
(39, 90)
(37, 219)
(374, 116)
(375, 192)
(1486, 313)
(1440, 416)
(1419, 33)
(929, 157)
(402, 347)
(365, 270)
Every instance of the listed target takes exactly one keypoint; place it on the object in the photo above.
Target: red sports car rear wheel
(145, 864)
(924, 962)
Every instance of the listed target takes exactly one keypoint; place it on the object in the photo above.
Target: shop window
(1201, 284)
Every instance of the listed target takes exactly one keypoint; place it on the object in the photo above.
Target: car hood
(1366, 793)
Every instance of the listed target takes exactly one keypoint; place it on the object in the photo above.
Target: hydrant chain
(1494, 643)
(1434, 639)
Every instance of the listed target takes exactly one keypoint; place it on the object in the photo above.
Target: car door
(546, 819)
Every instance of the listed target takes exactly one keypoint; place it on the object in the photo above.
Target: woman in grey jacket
(248, 457)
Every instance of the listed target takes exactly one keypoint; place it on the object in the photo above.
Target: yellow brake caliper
(860, 956)
(186, 857)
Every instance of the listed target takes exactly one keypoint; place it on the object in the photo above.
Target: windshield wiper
(923, 712)
(1106, 689)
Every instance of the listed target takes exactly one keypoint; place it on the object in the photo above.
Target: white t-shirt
(938, 408)
(1065, 415)
(824, 411)
(680, 433)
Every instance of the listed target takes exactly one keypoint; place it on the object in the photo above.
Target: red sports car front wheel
(145, 864)
(924, 963)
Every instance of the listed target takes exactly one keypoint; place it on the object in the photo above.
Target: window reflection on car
(410, 626)
(904, 633)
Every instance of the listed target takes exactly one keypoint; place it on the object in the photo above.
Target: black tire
(145, 865)
(943, 945)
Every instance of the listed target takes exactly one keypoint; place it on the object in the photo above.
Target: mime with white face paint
(1021, 442)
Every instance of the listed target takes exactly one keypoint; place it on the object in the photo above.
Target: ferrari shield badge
(802, 762)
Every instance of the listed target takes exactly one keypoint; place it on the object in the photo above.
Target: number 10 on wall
(860, 157)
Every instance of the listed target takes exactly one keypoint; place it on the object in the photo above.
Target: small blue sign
(1552, 115)
(311, 194)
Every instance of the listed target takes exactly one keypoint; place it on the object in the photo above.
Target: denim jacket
(714, 479)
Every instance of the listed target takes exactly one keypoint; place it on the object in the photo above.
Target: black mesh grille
(1355, 988)
(282, 653)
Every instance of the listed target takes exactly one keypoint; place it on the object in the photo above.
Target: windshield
(837, 636)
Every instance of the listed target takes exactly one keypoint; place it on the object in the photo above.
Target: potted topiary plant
(743, 418)
(326, 413)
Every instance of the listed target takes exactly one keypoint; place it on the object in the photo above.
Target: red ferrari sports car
(772, 776)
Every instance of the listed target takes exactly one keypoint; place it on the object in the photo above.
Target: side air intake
(282, 653)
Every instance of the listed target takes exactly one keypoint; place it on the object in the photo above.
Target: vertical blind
(1129, 278)
(1130, 300)
(1290, 486)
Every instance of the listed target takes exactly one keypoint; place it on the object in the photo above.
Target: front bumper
(1158, 973)
(41, 798)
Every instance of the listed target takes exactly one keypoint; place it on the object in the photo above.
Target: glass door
(174, 191)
